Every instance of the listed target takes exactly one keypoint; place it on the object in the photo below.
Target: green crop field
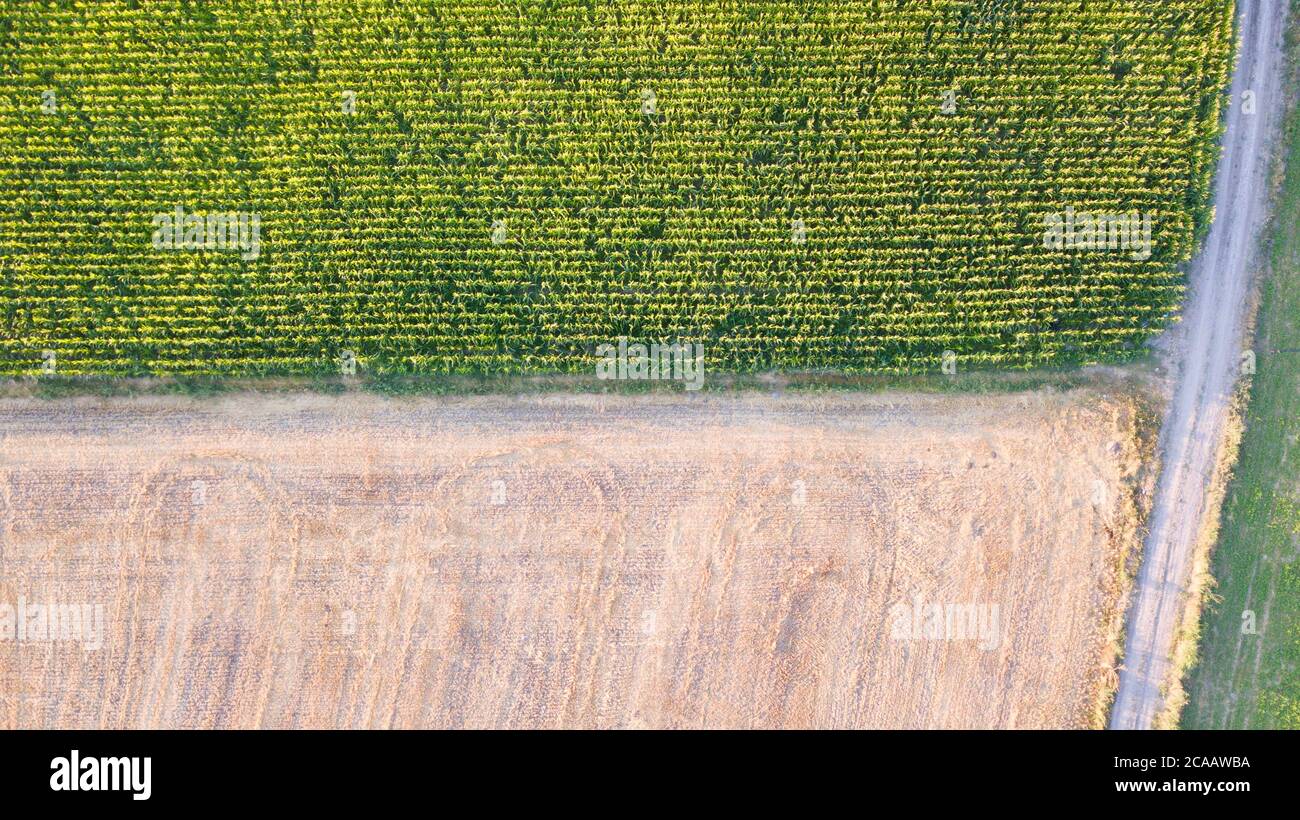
(1250, 635)
(500, 187)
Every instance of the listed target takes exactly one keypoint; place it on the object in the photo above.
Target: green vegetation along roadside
(1248, 670)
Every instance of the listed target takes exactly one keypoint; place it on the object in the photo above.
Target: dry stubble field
(566, 561)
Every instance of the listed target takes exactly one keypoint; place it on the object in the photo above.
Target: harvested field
(567, 561)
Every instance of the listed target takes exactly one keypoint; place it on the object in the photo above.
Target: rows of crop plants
(479, 186)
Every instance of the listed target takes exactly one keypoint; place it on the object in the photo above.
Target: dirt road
(1209, 362)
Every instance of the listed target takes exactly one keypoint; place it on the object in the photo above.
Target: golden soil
(565, 561)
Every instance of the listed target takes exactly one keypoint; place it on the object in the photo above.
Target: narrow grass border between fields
(55, 387)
